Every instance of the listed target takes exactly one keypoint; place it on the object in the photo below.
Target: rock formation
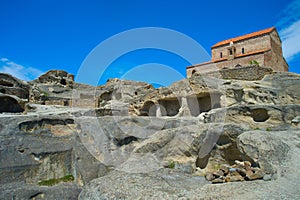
(127, 140)
(14, 93)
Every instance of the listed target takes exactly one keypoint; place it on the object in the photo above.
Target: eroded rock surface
(128, 140)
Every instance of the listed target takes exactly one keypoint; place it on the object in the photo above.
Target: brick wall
(249, 45)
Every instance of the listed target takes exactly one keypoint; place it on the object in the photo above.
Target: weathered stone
(163, 184)
(57, 77)
(265, 148)
(267, 177)
(258, 174)
(209, 176)
(225, 169)
(234, 176)
(218, 180)
(218, 173)
(183, 127)
(11, 104)
(13, 86)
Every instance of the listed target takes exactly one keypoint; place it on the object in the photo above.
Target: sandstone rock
(13, 86)
(218, 180)
(209, 176)
(57, 77)
(296, 121)
(11, 104)
(234, 176)
(265, 148)
(163, 184)
(258, 174)
(225, 168)
(196, 123)
(35, 149)
(18, 191)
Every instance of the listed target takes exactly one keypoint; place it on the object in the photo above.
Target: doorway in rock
(203, 103)
(169, 107)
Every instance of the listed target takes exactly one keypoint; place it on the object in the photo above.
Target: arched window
(243, 50)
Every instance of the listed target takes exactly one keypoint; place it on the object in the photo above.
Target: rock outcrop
(128, 140)
(14, 94)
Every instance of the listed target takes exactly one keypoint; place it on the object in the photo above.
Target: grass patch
(54, 181)
(216, 167)
(45, 93)
(268, 129)
(171, 165)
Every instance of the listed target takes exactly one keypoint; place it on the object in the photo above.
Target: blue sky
(37, 36)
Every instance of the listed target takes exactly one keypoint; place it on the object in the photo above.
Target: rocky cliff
(205, 137)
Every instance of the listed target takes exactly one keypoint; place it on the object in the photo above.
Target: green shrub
(171, 164)
(43, 93)
(254, 62)
(51, 182)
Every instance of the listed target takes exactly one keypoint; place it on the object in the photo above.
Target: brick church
(262, 47)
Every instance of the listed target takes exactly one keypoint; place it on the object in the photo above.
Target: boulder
(266, 148)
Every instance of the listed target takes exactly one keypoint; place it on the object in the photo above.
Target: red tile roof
(243, 37)
(197, 65)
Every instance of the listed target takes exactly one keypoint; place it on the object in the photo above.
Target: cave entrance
(63, 82)
(260, 115)
(6, 83)
(169, 107)
(203, 103)
(8, 104)
(149, 109)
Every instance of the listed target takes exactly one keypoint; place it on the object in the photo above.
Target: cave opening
(203, 103)
(8, 104)
(169, 107)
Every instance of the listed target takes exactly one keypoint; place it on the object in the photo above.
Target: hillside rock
(128, 140)
(13, 86)
(11, 104)
(175, 185)
(265, 148)
(56, 77)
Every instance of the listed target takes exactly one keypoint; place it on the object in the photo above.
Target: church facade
(262, 47)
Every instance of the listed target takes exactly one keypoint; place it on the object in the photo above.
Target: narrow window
(243, 50)
(230, 52)
(221, 55)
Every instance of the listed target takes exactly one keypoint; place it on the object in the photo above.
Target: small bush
(51, 182)
(43, 93)
(254, 62)
(171, 165)
(268, 129)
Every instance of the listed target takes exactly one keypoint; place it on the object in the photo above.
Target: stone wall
(241, 61)
(249, 73)
(229, 64)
